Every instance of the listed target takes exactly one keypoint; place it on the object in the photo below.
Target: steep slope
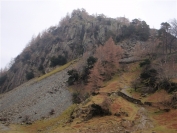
(75, 35)
(36, 99)
(126, 116)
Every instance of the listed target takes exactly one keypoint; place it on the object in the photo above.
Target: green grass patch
(131, 90)
(46, 124)
(114, 78)
(163, 129)
(58, 69)
(159, 112)
(66, 114)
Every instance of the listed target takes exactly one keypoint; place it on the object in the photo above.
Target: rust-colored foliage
(95, 79)
(109, 56)
(108, 63)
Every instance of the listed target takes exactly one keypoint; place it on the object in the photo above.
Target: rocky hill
(76, 34)
(92, 74)
(45, 106)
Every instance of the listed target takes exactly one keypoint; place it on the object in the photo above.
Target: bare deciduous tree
(167, 69)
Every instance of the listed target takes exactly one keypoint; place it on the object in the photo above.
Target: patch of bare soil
(143, 122)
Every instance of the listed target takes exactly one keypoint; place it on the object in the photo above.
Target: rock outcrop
(75, 35)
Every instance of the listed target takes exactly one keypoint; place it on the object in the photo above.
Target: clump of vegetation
(40, 68)
(26, 56)
(149, 78)
(145, 62)
(81, 75)
(97, 110)
(27, 120)
(3, 79)
(98, 68)
(78, 97)
(168, 86)
(29, 75)
(106, 66)
(52, 112)
(60, 60)
(73, 76)
(136, 28)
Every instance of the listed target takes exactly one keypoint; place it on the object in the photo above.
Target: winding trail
(143, 122)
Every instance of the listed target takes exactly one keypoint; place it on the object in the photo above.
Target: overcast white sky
(20, 20)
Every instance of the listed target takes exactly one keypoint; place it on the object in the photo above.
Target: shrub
(26, 57)
(3, 79)
(40, 68)
(91, 61)
(168, 86)
(29, 75)
(145, 62)
(149, 77)
(42, 60)
(27, 120)
(60, 60)
(52, 112)
(98, 110)
(76, 97)
(54, 61)
(73, 76)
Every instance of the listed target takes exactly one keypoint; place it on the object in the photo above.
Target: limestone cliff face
(74, 35)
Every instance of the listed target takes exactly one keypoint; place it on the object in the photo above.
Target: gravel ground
(35, 100)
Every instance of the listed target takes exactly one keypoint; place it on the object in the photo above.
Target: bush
(3, 79)
(149, 77)
(29, 75)
(26, 56)
(145, 62)
(168, 86)
(91, 61)
(73, 76)
(98, 110)
(60, 60)
(41, 68)
(76, 97)
(52, 112)
(27, 120)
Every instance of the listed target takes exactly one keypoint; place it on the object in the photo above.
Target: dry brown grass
(164, 122)
(159, 96)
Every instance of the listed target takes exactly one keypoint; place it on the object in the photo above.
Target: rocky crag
(75, 34)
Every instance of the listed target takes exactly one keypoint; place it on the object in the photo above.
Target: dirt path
(143, 122)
